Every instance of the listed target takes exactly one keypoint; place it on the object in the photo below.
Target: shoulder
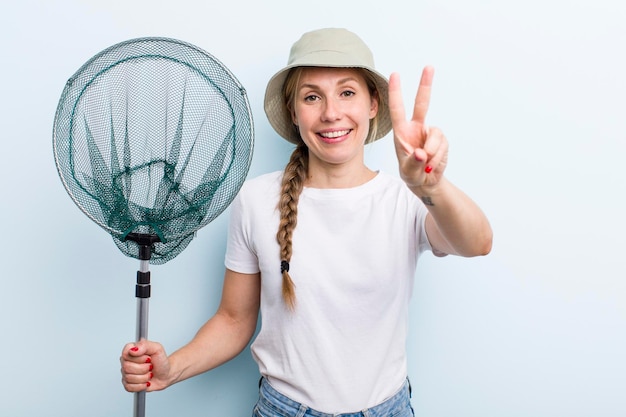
(259, 193)
(388, 179)
(265, 184)
(268, 178)
(394, 191)
(393, 184)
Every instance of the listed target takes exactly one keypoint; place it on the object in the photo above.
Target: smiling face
(332, 108)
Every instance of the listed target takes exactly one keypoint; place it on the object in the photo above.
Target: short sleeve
(240, 256)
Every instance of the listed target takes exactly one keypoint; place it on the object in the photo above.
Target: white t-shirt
(355, 250)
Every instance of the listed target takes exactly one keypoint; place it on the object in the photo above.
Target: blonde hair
(295, 175)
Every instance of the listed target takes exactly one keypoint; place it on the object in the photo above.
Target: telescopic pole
(142, 293)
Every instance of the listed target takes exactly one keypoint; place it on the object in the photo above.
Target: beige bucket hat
(331, 47)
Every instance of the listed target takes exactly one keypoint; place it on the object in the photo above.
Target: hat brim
(279, 116)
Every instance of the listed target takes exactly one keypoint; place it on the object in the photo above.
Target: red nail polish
(148, 360)
(148, 384)
(134, 349)
(151, 367)
(151, 375)
(428, 169)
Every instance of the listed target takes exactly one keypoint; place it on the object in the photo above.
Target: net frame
(209, 200)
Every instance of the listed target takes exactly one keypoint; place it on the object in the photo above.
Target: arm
(455, 224)
(145, 366)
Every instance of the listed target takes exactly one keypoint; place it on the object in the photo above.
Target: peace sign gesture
(422, 151)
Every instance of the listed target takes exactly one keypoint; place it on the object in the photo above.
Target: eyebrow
(341, 81)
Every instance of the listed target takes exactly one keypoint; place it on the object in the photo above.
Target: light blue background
(531, 96)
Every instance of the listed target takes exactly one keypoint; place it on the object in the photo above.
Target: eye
(348, 93)
(310, 98)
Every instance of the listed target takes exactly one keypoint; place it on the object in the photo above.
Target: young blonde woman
(326, 250)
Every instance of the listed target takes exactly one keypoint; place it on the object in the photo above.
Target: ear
(373, 106)
(294, 119)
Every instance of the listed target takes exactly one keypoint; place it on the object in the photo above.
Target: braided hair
(292, 185)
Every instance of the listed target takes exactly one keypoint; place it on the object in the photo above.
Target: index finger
(422, 99)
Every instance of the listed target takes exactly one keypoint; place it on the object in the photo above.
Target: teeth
(335, 134)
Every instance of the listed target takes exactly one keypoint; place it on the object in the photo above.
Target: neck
(338, 176)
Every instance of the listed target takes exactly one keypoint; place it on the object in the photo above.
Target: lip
(334, 136)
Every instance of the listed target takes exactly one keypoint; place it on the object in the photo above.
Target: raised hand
(422, 151)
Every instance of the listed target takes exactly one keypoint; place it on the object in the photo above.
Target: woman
(327, 249)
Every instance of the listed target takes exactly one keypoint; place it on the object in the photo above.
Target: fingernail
(151, 367)
(134, 349)
(428, 169)
(151, 375)
(148, 384)
(148, 360)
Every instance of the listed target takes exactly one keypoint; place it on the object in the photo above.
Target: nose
(331, 110)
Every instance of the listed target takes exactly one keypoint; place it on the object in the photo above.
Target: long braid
(292, 185)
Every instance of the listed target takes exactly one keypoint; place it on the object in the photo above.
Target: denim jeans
(274, 404)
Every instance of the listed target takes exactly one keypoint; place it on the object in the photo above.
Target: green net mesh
(153, 136)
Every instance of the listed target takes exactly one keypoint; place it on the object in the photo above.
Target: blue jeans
(274, 404)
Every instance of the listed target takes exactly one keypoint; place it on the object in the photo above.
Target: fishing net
(152, 140)
(153, 136)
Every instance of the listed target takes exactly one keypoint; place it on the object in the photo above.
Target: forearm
(459, 226)
(219, 340)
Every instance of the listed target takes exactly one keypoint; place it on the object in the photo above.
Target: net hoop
(78, 128)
